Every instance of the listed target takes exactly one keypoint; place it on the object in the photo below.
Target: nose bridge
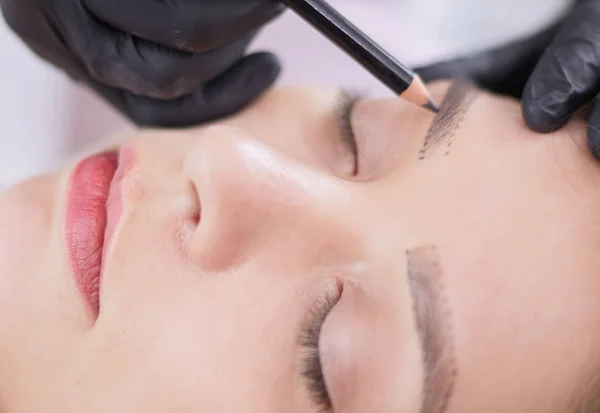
(252, 198)
(233, 170)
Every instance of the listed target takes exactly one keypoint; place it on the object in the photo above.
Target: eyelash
(344, 116)
(311, 367)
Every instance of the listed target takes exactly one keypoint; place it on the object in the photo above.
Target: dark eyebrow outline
(458, 99)
(434, 328)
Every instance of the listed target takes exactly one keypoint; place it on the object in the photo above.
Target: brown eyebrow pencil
(403, 81)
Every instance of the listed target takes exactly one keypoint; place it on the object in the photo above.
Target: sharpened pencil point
(432, 106)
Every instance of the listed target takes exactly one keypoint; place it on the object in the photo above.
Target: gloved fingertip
(541, 112)
(593, 132)
(144, 111)
(265, 68)
(243, 82)
(435, 71)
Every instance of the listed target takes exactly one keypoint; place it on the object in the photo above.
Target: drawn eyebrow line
(452, 112)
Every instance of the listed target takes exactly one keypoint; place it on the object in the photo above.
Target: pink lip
(94, 207)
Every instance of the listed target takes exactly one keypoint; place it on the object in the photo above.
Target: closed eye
(311, 367)
(344, 119)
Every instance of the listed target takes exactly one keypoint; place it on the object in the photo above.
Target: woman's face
(451, 265)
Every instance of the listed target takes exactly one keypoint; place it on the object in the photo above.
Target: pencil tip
(432, 106)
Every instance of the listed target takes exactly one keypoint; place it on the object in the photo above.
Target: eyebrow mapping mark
(452, 112)
(434, 327)
(448, 148)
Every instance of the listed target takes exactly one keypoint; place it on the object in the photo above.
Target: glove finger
(228, 93)
(568, 73)
(43, 39)
(143, 68)
(593, 131)
(503, 70)
(194, 26)
(241, 84)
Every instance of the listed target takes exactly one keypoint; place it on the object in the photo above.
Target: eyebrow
(451, 113)
(434, 328)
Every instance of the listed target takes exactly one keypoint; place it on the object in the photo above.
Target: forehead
(513, 215)
(522, 298)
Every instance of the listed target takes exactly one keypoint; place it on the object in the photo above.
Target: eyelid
(387, 133)
(311, 365)
(346, 106)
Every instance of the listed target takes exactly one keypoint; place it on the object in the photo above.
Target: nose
(254, 200)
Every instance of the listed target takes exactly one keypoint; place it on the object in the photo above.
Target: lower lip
(94, 206)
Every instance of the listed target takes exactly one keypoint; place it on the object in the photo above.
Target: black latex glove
(555, 73)
(161, 63)
(567, 76)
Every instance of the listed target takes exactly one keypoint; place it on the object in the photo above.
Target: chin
(27, 214)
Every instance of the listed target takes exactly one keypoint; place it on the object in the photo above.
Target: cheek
(200, 339)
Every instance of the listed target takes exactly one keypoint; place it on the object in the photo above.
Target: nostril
(195, 218)
(194, 211)
(197, 212)
(189, 218)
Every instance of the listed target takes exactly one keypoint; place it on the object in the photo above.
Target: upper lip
(93, 211)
